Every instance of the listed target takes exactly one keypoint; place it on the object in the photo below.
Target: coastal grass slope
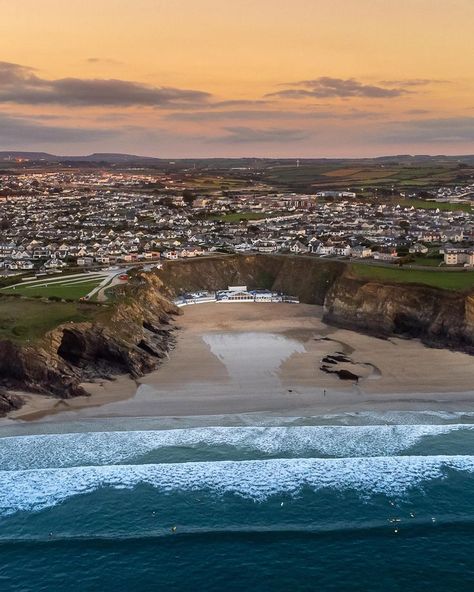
(25, 321)
(438, 278)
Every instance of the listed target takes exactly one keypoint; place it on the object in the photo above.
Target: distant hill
(127, 159)
(13, 155)
(109, 158)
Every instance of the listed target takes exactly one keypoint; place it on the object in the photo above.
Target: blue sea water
(349, 502)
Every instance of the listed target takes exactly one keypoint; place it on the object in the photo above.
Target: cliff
(306, 277)
(131, 337)
(440, 318)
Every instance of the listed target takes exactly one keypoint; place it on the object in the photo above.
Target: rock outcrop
(9, 402)
(440, 318)
(130, 337)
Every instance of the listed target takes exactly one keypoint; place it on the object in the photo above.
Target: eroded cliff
(131, 337)
(440, 318)
(306, 277)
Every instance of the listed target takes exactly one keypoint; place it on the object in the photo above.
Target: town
(54, 221)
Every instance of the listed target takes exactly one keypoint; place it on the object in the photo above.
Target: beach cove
(279, 358)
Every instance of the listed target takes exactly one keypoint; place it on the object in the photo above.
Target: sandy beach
(247, 358)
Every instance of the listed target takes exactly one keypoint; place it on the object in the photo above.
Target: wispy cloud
(240, 115)
(327, 87)
(240, 103)
(417, 112)
(414, 82)
(247, 135)
(106, 61)
(11, 74)
(21, 85)
(443, 131)
(24, 131)
(269, 115)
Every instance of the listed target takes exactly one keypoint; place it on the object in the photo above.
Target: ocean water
(343, 502)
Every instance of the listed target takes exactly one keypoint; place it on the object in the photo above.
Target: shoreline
(265, 358)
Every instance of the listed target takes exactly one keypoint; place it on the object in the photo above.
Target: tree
(188, 197)
(168, 202)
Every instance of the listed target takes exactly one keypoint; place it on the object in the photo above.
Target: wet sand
(101, 393)
(246, 358)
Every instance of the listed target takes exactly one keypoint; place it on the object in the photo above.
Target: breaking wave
(256, 480)
(101, 448)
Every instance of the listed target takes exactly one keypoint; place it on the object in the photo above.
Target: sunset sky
(197, 78)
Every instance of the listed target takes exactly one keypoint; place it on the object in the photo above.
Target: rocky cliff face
(130, 337)
(305, 277)
(440, 318)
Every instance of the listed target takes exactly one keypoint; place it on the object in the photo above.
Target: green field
(212, 183)
(238, 216)
(448, 280)
(427, 261)
(73, 291)
(369, 174)
(65, 287)
(27, 320)
(432, 205)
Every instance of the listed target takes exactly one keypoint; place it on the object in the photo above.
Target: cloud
(417, 112)
(240, 103)
(20, 85)
(327, 87)
(16, 131)
(107, 61)
(268, 115)
(444, 131)
(414, 82)
(244, 114)
(247, 135)
(13, 73)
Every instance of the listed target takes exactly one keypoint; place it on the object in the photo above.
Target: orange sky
(273, 77)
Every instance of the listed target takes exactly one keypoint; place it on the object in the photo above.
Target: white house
(459, 256)
(361, 252)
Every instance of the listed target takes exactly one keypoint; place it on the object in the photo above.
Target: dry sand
(246, 357)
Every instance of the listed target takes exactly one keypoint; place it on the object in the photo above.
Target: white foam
(397, 417)
(101, 448)
(256, 480)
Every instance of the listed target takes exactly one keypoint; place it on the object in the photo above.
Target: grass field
(213, 183)
(432, 205)
(427, 261)
(358, 175)
(64, 287)
(27, 320)
(245, 216)
(67, 292)
(448, 280)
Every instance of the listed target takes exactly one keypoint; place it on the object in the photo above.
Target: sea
(340, 502)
